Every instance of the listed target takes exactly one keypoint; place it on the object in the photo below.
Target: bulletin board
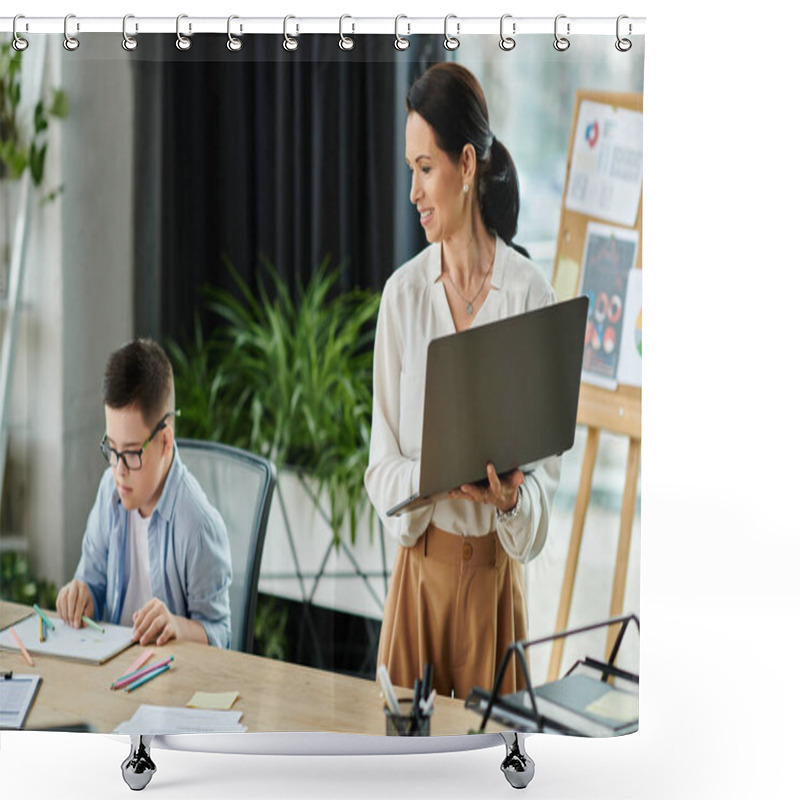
(618, 409)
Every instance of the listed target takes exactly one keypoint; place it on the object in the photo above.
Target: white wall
(79, 304)
(97, 260)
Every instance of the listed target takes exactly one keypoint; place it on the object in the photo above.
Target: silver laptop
(505, 392)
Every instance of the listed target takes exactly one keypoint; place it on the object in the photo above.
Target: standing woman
(457, 593)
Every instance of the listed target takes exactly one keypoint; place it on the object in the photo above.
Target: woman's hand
(501, 493)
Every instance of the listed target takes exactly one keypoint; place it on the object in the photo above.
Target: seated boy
(155, 553)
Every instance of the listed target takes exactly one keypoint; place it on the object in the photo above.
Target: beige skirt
(456, 602)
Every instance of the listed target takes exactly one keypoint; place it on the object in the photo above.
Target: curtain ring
(233, 44)
(182, 42)
(561, 43)
(289, 42)
(345, 42)
(507, 42)
(451, 42)
(17, 42)
(623, 45)
(400, 42)
(128, 42)
(70, 42)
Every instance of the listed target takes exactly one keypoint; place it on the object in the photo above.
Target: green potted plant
(23, 143)
(290, 380)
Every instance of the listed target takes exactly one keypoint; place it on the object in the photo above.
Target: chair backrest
(239, 485)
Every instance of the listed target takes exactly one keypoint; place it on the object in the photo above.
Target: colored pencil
(41, 629)
(92, 624)
(25, 654)
(140, 662)
(47, 621)
(121, 683)
(150, 675)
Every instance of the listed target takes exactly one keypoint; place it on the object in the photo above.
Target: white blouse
(413, 311)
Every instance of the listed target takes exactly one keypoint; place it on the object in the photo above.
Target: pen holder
(406, 723)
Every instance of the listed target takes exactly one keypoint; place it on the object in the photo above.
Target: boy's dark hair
(140, 374)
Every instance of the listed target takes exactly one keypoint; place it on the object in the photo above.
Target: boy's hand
(73, 601)
(154, 623)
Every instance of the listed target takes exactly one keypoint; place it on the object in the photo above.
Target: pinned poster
(605, 179)
(629, 369)
(608, 258)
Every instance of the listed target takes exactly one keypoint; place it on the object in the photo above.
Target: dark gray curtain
(291, 157)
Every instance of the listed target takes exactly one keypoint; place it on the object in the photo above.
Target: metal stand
(138, 768)
(517, 766)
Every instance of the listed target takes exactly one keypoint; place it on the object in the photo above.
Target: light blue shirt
(189, 555)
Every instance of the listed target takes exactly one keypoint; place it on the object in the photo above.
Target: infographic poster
(609, 256)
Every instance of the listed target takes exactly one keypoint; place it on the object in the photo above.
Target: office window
(535, 123)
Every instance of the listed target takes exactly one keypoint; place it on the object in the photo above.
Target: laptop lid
(505, 392)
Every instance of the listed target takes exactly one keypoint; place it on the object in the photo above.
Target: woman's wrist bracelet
(507, 516)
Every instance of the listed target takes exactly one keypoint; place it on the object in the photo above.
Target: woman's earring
(466, 188)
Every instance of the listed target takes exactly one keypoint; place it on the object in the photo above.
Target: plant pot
(301, 562)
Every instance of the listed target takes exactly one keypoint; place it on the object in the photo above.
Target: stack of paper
(163, 720)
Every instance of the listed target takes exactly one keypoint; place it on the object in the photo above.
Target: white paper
(16, 696)
(629, 368)
(605, 179)
(163, 720)
(76, 644)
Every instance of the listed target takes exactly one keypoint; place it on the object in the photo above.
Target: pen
(120, 683)
(417, 695)
(388, 690)
(426, 705)
(47, 621)
(427, 679)
(92, 624)
(148, 677)
(41, 629)
(25, 654)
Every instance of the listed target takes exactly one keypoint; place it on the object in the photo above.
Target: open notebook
(75, 644)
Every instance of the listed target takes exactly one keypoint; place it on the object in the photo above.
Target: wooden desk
(273, 695)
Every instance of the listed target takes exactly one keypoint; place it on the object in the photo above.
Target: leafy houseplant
(23, 143)
(19, 585)
(292, 381)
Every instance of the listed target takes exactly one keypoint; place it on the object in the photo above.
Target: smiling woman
(458, 573)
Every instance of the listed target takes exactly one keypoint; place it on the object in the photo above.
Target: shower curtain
(237, 203)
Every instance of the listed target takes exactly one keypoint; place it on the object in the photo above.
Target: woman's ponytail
(499, 193)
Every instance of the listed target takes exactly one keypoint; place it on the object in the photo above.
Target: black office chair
(239, 485)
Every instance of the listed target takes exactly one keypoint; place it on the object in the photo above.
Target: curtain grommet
(623, 45)
(183, 43)
(451, 42)
(561, 43)
(507, 43)
(234, 44)
(71, 44)
(129, 43)
(400, 42)
(289, 42)
(345, 42)
(17, 41)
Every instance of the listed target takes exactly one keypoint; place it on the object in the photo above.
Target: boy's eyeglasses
(132, 459)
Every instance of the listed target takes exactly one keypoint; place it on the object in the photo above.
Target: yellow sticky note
(622, 706)
(221, 701)
(567, 275)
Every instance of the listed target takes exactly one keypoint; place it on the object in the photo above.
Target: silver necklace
(469, 302)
